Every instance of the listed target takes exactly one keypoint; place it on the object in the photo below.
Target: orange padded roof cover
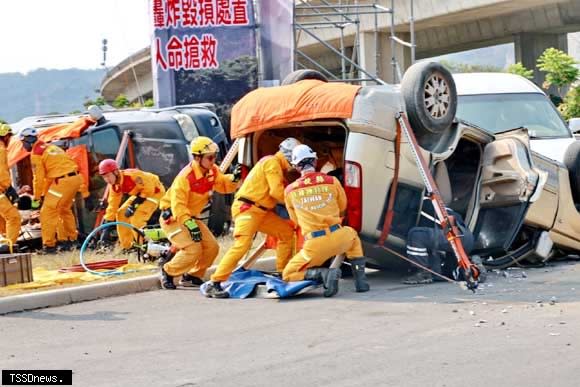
(16, 151)
(303, 101)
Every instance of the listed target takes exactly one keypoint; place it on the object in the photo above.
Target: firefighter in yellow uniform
(180, 210)
(315, 202)
(9, 215)
(55, 183)
(252, 211)
(145, 191)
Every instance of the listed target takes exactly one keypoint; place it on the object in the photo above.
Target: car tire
(430, 97)
(572, 162)
(300, 75)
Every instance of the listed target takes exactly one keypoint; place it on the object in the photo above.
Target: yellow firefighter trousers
(192, 258)
(139, 220)
(10, 219)
(316, 251)
(66, 231)
(57, 206)
(247, 223)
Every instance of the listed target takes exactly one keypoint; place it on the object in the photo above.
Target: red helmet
(108, 166)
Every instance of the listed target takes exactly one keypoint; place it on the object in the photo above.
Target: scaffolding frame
(309, 17)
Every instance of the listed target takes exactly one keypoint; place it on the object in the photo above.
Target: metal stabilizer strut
(468, 270)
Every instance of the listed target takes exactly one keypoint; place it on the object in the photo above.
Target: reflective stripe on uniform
(243, 217)
(153, 200)
(174, 233)
(419, 251)
(55, 193)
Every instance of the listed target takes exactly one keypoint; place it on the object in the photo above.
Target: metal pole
(377, 46)
(355, 47)
(295, 48)
(393, 58)
(342, 55)
(412, 27)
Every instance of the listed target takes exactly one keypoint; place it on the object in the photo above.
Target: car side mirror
(574, 125)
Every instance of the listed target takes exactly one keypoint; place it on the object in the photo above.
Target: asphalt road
(395, 335)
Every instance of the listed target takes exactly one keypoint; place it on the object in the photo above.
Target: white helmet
(287, 146)
(302, 152)
(28, 132)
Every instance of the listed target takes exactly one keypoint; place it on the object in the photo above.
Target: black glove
(194, 230)
(130, 211)
(237, 173)
(11, 194)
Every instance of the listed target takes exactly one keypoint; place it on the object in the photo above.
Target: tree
(519, 69)
(2, 121)
(149, 102)
(559, 68)
(571, 106)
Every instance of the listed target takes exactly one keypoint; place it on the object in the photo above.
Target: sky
(61, 34)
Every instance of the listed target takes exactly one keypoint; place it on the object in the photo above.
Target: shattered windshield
(499, 112)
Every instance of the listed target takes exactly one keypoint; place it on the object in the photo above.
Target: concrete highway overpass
(441, 27)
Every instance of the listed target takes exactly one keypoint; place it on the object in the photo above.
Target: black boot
(328, 277)
(317, 274)
(331, 282)
(358, 274)
(64, 245)
(214, 290)
(167, 280)
(47, 250)
(190, 281)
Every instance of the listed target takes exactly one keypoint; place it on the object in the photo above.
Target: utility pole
(104, 49)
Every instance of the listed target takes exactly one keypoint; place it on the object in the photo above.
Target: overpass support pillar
(530, 46)
(376, 56)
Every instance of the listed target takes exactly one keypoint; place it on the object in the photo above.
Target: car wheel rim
(437, 96)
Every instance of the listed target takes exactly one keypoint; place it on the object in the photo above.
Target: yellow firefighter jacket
(5, 180)
(315, 202)
(264, 185)
(133, 182)
(49, 162)
(189, 193)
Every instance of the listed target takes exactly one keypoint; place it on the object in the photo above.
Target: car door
(509, 182)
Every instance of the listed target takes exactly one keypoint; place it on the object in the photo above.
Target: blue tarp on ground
(242, 284)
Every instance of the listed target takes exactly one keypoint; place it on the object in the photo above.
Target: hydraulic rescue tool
(465, 267)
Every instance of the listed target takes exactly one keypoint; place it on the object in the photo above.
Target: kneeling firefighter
(180, 210)
(145, 191)
(56, 181)
(315, 202)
